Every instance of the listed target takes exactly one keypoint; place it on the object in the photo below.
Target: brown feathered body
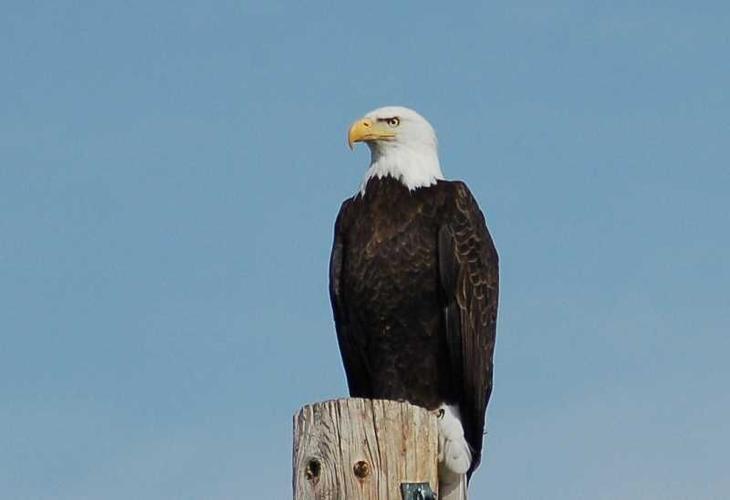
(414, 287)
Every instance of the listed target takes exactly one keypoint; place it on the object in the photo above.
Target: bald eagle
(414, 285)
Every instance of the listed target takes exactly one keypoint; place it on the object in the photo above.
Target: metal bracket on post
(416, 491)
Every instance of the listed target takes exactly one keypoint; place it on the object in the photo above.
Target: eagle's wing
(468, 268)
(358, 380)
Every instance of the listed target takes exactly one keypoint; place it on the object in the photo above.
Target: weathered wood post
(353, 449)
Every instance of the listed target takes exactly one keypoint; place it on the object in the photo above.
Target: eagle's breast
(391, 260)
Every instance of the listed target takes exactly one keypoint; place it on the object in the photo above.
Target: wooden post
(353, 449)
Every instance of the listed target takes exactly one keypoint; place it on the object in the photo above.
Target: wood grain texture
(362, 449)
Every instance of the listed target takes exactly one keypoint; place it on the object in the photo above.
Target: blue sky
(169, 177)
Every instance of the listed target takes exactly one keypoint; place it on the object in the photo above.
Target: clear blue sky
(169, 177)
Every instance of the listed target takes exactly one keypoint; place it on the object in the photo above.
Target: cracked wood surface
(362, 449)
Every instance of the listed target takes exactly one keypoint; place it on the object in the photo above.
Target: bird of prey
(414, 286)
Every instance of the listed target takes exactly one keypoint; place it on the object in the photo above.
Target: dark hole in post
(312, 470)
(361, 469)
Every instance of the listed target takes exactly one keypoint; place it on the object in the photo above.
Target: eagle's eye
(393, 122)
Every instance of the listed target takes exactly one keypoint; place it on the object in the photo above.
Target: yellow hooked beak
(368, 130)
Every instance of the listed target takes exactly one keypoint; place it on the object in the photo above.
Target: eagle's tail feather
(454, 457)
(453, 491)
(454, 452)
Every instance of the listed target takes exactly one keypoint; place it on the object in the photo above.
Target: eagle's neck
(414, 167)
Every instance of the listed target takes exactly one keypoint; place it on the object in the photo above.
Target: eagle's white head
(402, 145)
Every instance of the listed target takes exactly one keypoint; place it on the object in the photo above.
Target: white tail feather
(454, 452)
(453, 491)
(454, 457)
